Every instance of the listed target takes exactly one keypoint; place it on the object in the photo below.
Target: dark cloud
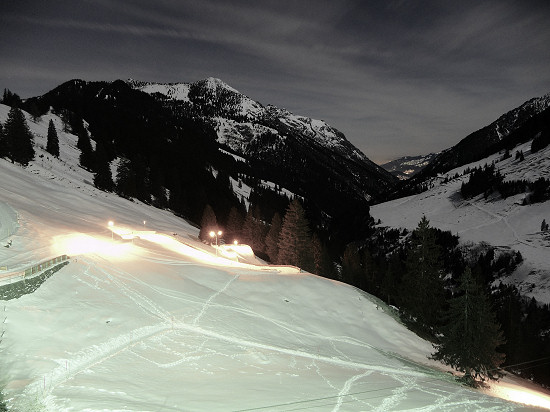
(397, 77)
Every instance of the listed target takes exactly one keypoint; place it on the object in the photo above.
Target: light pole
(216, 234)
(111, 224)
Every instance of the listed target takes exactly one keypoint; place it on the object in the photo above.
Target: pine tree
(294, 238)
(254, 230)
(52, 146)
(322, 264)
(234, 225)
(126, 184)
(208, 223)
(272, 237)
(103, 178)
(86, 151)
(18, 139)
(11, 99)
(3, 144)
(368, 279)
(352, 271)
(471, 336)
(391, 279)
(422, 292)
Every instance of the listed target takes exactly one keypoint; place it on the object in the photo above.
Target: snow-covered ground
(163, 324)
(500, 222)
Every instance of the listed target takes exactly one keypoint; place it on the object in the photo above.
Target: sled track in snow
(94, 355)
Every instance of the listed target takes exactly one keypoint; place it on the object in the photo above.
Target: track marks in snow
(346, 389)
(211, 298)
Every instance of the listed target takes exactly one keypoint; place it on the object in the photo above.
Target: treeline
(16, 140)
(288, 239)
(488, 179)
(423, 273)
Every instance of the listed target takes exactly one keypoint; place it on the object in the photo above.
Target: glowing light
(521, 394)
(111, 225)
(80, 244)
(235, 242)
(529, 398)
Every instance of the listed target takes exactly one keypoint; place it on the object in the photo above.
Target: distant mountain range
(405, 167)
(515, 127)
(192, 144)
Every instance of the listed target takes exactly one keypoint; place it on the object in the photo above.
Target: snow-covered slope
(501, 222)
(162, 323)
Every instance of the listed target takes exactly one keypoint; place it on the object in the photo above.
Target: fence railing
(33, 270)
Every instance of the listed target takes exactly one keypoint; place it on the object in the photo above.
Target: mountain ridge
(175, 135)
(512, 128)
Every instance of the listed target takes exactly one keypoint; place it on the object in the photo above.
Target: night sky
(396, 77)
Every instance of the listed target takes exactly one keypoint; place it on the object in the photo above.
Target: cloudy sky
(397, 77)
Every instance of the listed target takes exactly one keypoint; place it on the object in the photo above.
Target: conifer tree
(470, 339)
(234, 225)
(17, 137)
(208, 223)
(3, 145)
(10, 99)
(126, 184)
(103, 178)
(294, 238)
(422, 292)
(322, 264)
(391, 279)
(52, 146)
(368, 279)
(351, 265)
(254, 230)
(86, 151)
(272, 237)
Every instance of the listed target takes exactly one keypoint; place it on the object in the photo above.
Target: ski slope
(504, 223)
(163, 323)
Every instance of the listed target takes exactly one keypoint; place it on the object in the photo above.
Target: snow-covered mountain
(506, 223)
(202, 143)
(512, 128)
(160, 322)
(405, 167)
(274, 136)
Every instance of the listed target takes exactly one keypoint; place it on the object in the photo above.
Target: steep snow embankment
(500, 222)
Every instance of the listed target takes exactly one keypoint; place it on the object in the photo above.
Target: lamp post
(216, 234)
(111, 224)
